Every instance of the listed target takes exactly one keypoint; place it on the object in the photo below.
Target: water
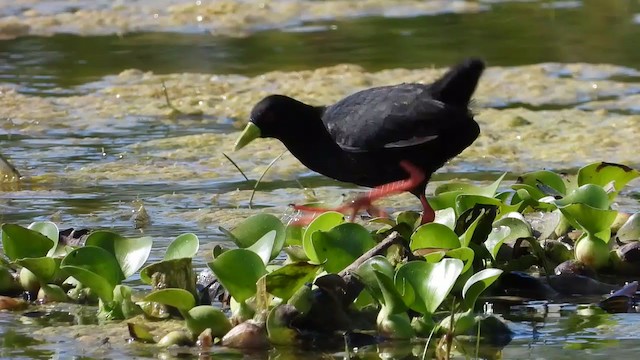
(66, 65)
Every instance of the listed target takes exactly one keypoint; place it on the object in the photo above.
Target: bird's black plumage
(363, 138)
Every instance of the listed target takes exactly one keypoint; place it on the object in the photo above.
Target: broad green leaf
(184, 246)
(505, 230)
(19, 242)
(434, 257)
(176, 273)
(603, 173)
(434, 235)
(285, 281)
(392, 300)
(528, 192)
(340, 246)
(178, 268)
(430, 282)
(444, 200)
(238, 271)
(475, 224)
(591, 220)
(446, 217)
(140, 332)
(178, 298)
(410, 218)
(478, 283)
(466, 188)
(630, 230)
(278, 330)
(96, 268)
(465, 202)
(324, 222)
(463, 253)
(48, 229)
(295, 253)
(255, 227)
(471, 189)
(264, 246)
(465, 239)
(44, 268)
(589, 194)
(539, 179)
(131, 253)
(205, 317)
(368, 279)
(293, 235)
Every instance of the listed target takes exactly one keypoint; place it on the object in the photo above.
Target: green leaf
(446, 217)
(341, 245)
(589, 194)
(505, 230)
(205, 317)
(131, 254)
(293, 236)
(264, 246)
(541, 179)
(603, 173)
(463, 253)
(324, 222)
(430, 283)
(471, 189)
(19, 242)
(444, 200)
(392, 300)
(44, 268)
(95, 268)
(366, 276)
(184, 246)
(178, 298)
(591, 220)
(475, 224)
(140, 332)
(434, 235)
(465, 239)
(465, 202)
(478, 283)
(48, 229)
(410, 218)
(285, 281)
(178, 267)
(255, 228)
(238, 271)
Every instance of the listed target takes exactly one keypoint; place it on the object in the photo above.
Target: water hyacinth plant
(296, 284)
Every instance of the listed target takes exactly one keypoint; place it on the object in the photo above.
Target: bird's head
(273, 117)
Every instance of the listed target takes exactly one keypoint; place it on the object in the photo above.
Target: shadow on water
(508, 34)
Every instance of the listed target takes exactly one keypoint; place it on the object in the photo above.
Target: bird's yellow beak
(250, 133)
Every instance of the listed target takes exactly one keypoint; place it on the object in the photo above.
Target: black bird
(377, 136)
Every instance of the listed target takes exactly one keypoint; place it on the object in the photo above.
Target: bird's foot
(365, 202)
(351, 208)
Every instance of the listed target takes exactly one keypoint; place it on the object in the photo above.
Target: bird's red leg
(428, 215)
(416, 177)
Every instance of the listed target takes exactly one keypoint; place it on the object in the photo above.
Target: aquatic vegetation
(391, 276)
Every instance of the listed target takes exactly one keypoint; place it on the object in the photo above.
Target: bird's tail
(457, 85)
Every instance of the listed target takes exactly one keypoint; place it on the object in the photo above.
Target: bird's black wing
(388, 117)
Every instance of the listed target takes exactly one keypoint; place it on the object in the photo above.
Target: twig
(255, 187)
(236, 166)
(166, 97)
